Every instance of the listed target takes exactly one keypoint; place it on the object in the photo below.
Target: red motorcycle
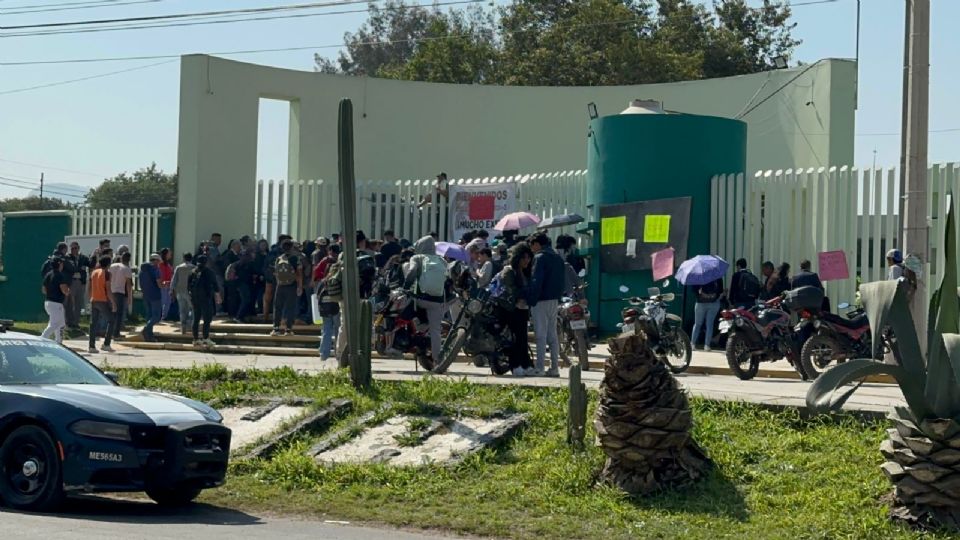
(837, 338)
(761, 333)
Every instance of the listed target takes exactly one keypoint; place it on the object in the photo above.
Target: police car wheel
(30, 470)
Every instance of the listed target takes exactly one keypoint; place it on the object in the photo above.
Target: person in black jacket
(78, 265)
(546, 286)
(205, 294)
(805, 278)
(744, 286)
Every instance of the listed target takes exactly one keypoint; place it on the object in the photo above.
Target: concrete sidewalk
(871, 397)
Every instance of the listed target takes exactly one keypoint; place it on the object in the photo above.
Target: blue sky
(79, 133)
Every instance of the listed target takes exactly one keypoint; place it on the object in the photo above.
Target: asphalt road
(102, 519)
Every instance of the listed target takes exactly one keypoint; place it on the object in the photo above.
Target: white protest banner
(480, 207)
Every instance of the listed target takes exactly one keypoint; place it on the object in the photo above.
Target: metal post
(41, 191)
(916, 103)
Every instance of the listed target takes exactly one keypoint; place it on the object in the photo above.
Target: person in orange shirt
(102, 305)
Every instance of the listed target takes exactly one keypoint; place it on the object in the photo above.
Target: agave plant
(923, 449)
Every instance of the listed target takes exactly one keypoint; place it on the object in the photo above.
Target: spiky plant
(643, 422)
(923, 449)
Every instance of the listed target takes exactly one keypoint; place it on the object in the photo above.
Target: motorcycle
(761, 333)
(670, 342)
(573, 317)
(401, 326)
(837, 338)
(479, 331)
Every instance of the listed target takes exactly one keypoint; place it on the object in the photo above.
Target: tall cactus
(576, 408)
(357, 353)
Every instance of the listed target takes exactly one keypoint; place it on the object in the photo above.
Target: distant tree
(149, 187)
(19, 204)
(568, 42)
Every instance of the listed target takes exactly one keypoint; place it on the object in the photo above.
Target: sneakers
(197, 343)
(553, 372)
(529, 372)
(707, 349)
(537, 372)
(289, 333)
(519, 372)
(107, 348)
(92, 350)
(276, 332)
(208, 343)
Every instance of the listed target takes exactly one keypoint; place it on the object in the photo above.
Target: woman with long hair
(513, 309)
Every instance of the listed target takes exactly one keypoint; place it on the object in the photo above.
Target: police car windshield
(44, 362)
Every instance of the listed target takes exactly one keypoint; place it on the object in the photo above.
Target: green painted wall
(650, 156)
(166, 226)
(28, 239)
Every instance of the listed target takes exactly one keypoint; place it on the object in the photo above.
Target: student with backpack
(744, 286)
(327, 275)
(426, 277)
(288, 274)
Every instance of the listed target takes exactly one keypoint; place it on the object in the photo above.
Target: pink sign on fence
(832, 265)
(662, 263)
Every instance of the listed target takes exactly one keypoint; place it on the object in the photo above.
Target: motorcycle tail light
(575, 309)
(631, 313)
(726, 314)
(805, 314)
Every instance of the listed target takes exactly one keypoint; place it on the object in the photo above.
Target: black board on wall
(651, 225)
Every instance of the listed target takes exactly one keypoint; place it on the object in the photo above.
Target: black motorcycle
(480, 333)
(664, 330)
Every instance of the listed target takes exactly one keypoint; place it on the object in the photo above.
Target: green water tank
(645, 154)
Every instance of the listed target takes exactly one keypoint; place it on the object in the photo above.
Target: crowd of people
(252, 280)
(746, 289)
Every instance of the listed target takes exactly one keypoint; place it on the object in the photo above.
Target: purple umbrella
(453, 251)
(701, 270)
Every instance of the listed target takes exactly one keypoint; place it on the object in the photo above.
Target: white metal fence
(308, 208)
(791, 215)
(140, 223)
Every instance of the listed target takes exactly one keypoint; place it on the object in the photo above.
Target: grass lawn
(777, 476)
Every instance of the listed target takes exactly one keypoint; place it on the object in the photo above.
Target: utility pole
(916, 240)
(41, 189)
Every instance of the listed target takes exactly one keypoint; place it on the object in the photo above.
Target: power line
(70, 6)
(897, 133)
(87, 78)
(52, 168)
(80, 191)
(172, 16)
(219, 20)
(46, 190)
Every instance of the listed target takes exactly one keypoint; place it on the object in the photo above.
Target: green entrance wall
(28, 239)
(637, 157)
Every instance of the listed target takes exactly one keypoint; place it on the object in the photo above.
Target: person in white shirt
(484, 273)
(894, 264)
(180, 287)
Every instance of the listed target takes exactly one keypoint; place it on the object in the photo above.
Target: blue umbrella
(453, 251)
(701, 270)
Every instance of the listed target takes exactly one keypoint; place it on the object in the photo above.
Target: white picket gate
(791, 215)
(140, 223)
(309, 208)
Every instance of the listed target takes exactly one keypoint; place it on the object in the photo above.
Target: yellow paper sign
(613, 230)
(656, 229)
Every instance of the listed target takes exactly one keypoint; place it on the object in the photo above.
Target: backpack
(193, 281)
(749, 285)
(332, 284)
(367, 270)
(231, 273)
(496, 288)
(284, 272)
(433, 275)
